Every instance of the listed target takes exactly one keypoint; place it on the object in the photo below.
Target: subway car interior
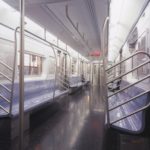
(74, 74)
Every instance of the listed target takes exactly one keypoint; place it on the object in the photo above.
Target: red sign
(95, 53)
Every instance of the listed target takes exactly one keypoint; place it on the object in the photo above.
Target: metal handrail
(129, 71)
(66, 52)
(4, 64)
(113, 72)
(47, 43)
(9, 90)
(5, 76)
(63, 81)
(54, 89)
(131, 99)
(103, 79)
(75, 27)
(64, 87)
(61, 68)
(60, 76)
(36, 36)
(5, 87)
(127, 59)
(141, 109)
(126, 87)
(14, 68)
(129, 86)
(4, 109)
(4, 98)
(62, 72)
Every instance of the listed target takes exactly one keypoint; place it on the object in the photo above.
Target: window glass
(51, 38)
(74, 64)
(32, 64)
(61, 44)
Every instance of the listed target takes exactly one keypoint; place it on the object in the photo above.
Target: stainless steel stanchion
(21, 78)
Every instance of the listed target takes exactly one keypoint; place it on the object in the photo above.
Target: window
(74, 63)
(32, 64)
(141, 58)
(94, 69)
(81, 67)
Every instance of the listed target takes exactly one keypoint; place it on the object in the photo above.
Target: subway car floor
(77, 123)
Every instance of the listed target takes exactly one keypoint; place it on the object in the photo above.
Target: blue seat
(36, 93)
(76, 82)
(135, 123)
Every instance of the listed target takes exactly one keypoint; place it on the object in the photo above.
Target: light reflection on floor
(79, 125)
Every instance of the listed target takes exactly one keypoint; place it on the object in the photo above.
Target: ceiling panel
(123, 15)
(50, 14)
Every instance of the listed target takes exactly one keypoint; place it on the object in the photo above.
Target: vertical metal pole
(104, 90)
(78, 64)
(21, 77)
(120, 71)
(45, 33)
(55, 70)
(100, 79)
(90, 76)
(99, 74)
(65, 67)
(14, 69)
(92, 72)
(132, 65)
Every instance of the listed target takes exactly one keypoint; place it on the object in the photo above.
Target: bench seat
(37, 94)
(76, 82)
(135, 123)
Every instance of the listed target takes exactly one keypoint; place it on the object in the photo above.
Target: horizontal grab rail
(128, 59)
(38, 37)
(131, 99)
(129, 71)
(4, 64)
(129, 86)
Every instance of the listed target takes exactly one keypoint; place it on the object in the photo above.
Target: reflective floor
(78, 126)
(77, 123)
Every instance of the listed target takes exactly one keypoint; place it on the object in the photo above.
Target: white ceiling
(123, 15)
(89, 14)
